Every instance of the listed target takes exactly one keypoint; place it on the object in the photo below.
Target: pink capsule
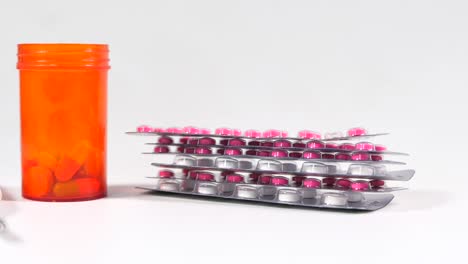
(185, 172)
(328, 156)
(232, 152)
(265, 179)
(224, 142)
(220, 151)
(184, 140)
(331, 145)
(279, 181)
(274, 133)
(144, 129)
(380, 148)
(189, 150)
(165, 140)
(236, 132)
(360, 156)
(279, 153)
(205, 176)
(356, 131)
(343, 183)
(251, 152)
(205, 131)
(251, 133)
(180, 149)
(174, 130)
(296, 155)
(329, 181)
(308, 134)
(193, 141)
(299, 144)
(366, 146)
(223, 131)
(377, 183)
(191, 130)
(166, 174)
(207, 141)
(159, 130)
(311, 183)
(360, 185)
(311, 155)
(203, 151)
(376, 157)
(266, 144)
(282, 143)
(236, 142)
(298, 180)
(347, 146)
(254, 143)
(315, 144)
(234, 178)
(342, 156)
(263, 153)
(161, 149)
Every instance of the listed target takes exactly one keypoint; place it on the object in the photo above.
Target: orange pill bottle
(63, 97)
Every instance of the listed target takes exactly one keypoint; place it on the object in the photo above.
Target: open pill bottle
(63, 98)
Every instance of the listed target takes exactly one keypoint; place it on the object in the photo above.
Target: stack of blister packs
(331, 171)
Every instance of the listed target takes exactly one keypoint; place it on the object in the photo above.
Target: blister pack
(310, 170)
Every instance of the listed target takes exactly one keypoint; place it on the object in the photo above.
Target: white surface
(397, 66)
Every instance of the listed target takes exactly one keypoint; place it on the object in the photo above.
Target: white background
(396, 66)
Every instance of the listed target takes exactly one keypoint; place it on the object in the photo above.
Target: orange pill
(66, 169)
(47, 160)
(93, 165)
(88, 186)
(38, 181)
(80, 151)
(66, 189)
(75, 188)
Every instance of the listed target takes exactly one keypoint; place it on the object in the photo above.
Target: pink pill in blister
(193, 174)
(180, 149)
(237, 132)
(296, 155)
(298, 180)
(232, 152)
(206, 141)
(342, 156)
(311, 155)
(174, 130)
(356, 131)
(376, 157)
(329, 181)
(220, 151)
(347, 146)
(205, 131)
(234, 178)
(315, 144)
(263, 153)
(223, 131)
(166, 174)
(266, 144)
(328, 156)
(224, 142)
(253, 177)
(360, 156)
(380, 148)
(161, 149)
(331, 145)
(236, 142)
(279, 181)
(360, 185)
(205, 176)
(184, 140)
(282, 143)
(185, 171)
(274, 133)
(191, 130)
(308, 134)
(254, 143)
(144, 129)
(251, 133)
(189, 150)
(311, 183)
(203, 151)
(343, 183)
(299, 145)
(165, 140)
(367, 146)
(264, 179)
(376, 183)
(279, 153)
(159, 130)
(193, 141)
(251, 152)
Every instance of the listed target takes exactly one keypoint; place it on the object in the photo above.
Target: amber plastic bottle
(63, 94)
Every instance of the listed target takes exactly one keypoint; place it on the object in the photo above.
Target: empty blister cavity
(267, 191)
(334, 199)
(205, 162)
(354, 197)
(207, 188)
(314, 167)
(226, 163)
(245, 165)
(309, 193)
(333, 135)
(247, 192)
(361, 169)
(289, 167)
(270, 165)
(290, 196)
(184, 160)
(170, 186)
